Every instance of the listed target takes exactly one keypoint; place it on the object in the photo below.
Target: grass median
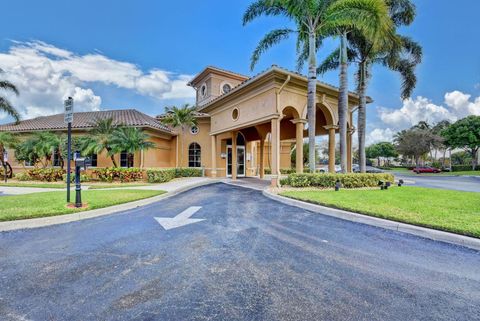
(44, 204)
(452, 211)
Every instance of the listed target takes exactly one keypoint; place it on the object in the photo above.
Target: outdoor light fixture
(400, 182)
(337, 185)
(387, 185)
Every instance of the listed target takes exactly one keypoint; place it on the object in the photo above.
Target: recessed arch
(327, 111)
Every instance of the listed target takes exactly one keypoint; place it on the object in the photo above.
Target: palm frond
(4, 84)
(402, 12)
(270, 39)
(263, 7)
(6, 107)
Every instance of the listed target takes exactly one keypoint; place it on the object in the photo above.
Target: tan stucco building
(245, 125)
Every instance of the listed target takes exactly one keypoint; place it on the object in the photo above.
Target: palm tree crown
(180, 118)
(99, 139)
(5, 105)
(130, 140)
(315, 20)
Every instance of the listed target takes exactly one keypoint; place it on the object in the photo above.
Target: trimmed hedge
(355, 180)
(125, 175)
(46, 174)
(165, 175)
(461, 168)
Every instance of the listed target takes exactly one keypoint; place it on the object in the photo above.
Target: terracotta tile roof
(85, 120)
(272, 68)
(221, 70)
(196, 114)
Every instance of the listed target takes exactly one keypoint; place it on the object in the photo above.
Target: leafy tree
(315, 20)
(26, 152)
(5, 105)
(7, 141)
(465, 133)
(413, 142)
(180, 118)
(45, 144)
(131, 140)
(293, 154)
(99, 139)
(383, 149)
(397, 53)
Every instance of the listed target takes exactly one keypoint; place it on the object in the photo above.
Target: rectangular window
(56, 158)
(126, 160)
(28, 163)
(93, 159)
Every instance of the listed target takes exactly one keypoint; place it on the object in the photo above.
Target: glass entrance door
(240, 161)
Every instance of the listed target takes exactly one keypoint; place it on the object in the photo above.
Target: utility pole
(69, 119)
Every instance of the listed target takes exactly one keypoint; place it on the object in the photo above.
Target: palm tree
(130, 140)
(99, 139)
(397, 53)
(7, 140)
(314, 20)
(45, 144)
(5, 105)
(180, 118)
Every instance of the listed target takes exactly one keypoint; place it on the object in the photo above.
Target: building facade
(246, 125)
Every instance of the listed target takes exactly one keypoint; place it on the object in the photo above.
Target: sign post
(5, 161)
(69, 119)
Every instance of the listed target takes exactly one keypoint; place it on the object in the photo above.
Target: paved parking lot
(250, 258)
(458, 183)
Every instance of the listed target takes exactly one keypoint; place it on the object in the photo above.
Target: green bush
(188, 172)
(22, 176)
(160, 175)
(355, 180)
(165, 175)
(83, 178)
(461, 168)
(124, 175)
(46, 174)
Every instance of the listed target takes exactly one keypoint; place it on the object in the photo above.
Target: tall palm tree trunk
(311, 108)
(112, 157)
(362, 117)
(343, 102)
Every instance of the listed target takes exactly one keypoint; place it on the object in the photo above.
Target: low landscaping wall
(354, 180)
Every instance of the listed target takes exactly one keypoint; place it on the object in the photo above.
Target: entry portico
(267, 110)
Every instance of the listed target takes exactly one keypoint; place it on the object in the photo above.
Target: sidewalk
(172, 188)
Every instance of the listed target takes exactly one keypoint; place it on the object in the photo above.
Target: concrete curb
(432, 234)
(67, 218)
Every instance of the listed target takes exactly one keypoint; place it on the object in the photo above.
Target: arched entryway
(236, 150)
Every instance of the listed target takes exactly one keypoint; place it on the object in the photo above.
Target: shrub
(355, 180)
(83, 178)
(46, 174)
(22, 176)
(188, 172)
(461, 168)
(284, 181)
(160, 175)
(125, 175)
(130, 174)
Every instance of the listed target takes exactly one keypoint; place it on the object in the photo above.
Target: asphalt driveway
(458, 183)
(251, 258)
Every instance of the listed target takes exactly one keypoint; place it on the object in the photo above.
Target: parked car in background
(324, 169)
(426, 169)
(368, 169)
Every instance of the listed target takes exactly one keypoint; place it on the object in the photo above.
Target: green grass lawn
(53, 203)
(452, 211)
(37, 185)
(59, 185)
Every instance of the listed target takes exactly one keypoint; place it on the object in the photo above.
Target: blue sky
(139, 54)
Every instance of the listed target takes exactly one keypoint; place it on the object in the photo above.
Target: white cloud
(458, 105)
(379, 135)
(45, 75)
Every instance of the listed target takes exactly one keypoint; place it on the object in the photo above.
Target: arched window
(194, 155)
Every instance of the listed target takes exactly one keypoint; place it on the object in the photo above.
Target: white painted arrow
(181, 219)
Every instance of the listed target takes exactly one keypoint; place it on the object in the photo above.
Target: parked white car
(324, 169)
